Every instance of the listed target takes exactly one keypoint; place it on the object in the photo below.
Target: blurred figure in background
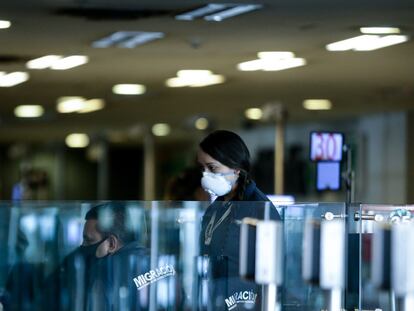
(33, 184)
(22, 190)
(186, 186)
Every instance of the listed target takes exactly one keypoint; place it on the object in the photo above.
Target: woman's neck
(231, 194)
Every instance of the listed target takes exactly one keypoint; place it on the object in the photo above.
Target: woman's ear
(113, 244)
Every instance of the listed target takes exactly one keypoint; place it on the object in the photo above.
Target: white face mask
(216, 184)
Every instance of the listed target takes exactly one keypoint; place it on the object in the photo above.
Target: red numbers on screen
(325, 147)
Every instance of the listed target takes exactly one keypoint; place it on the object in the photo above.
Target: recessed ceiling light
(92, 105)
(13, 78)
(77, 140)
(201, 123)
(161, 129)
(127, 39)
(218, 11)
(380, 30)
(70, 62)
(276, 54)
(57, 62)
(43, 62)
(4, 24)
(28, 111)
(129, 89)
(194, 78)
(272, 61)
(366, 43)
(254, 113)
(231, 12)
(68, 104)
(317, 104)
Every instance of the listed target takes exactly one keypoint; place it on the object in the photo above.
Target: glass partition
(201, 256)
(386, 252)
(314, 250)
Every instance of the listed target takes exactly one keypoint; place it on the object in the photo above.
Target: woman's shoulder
(253, 193)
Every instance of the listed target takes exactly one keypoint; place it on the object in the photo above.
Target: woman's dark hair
(229, 149)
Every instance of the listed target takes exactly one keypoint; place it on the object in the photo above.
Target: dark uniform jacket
(220, 243)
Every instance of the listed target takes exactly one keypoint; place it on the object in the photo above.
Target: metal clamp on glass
(372, 217)
(331, 216)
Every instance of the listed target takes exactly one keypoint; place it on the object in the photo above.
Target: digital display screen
(328, 176)
(325, 146)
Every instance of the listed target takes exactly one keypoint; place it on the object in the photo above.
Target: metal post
(279, 155)
(149, 167)
(103, 171)
(349, 176)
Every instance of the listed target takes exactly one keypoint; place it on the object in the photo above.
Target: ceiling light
(205, 10)
(92, 105)
(382, 42)
(207, 81)
(4, 24)
(194, 78)
(129, 89)
(379, 30)
(234, 11)
(317, 104)
(276, 55)
(201, 123)
(13, 78)
(69, 62)
(70, 104)
(28, 111)
(272, 61)
(218, 11)
(43, 62)
(57, 62)
(77, 140)
(127, 39)
(366, 43)
(161, 129)
(253, 113)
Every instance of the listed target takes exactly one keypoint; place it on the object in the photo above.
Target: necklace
(211, 226)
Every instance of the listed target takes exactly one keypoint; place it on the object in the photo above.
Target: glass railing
(161, 255)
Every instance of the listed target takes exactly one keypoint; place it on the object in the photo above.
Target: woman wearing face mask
(225, 161)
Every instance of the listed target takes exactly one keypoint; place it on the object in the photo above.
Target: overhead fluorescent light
(28, 111)
(127, 39)
(382, 42)
(70, 62)
(218, 11)
(92, 105)
(161, 129)
(13, 78)
(4, 24)
(276, 55)
(77, 140)
(272, 61)
(201, 123)
(205, 10)
(380, 30)
(68, 104)
(366, 42)
(43, 62)
(194, 78)
(129, 89)
(234, 11)
(254, 113)
(317, 104)
(57, 62)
